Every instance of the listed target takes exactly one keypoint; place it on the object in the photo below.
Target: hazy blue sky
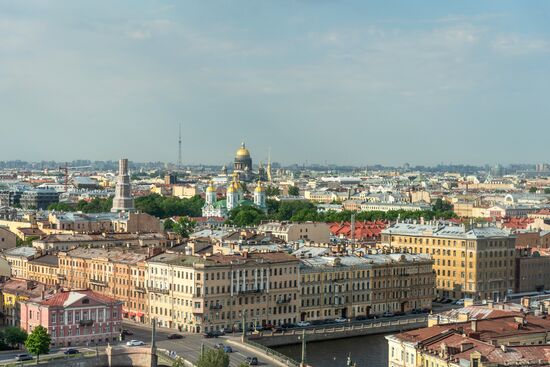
(356, 82)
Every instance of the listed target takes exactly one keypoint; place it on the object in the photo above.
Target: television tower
(179, 149)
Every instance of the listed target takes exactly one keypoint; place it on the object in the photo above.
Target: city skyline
(353, 83)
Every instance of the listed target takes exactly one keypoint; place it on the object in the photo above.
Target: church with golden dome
(234, 199)
(243, 163)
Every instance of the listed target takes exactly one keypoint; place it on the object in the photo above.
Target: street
(190, 346)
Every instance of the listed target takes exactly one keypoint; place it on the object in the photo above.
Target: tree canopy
(14, 336)
(169, 206)
(38, 342)
(184, 226)
(293, 191)
(213, 358)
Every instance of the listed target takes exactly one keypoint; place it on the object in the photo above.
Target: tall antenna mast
(179, 149)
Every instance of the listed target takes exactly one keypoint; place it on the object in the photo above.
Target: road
(190, 346)
(10, 357)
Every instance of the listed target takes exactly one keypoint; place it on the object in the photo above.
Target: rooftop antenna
(179, 148)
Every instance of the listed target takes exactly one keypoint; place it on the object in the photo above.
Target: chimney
(474, 325)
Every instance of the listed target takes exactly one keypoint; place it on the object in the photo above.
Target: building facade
(473, 262)
(72, 318)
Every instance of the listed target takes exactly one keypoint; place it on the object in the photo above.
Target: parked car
(126, 332)
(175, 336)
(341, 320)
(416, 311)
(219, 346)
(448, 300)
(303, 324)
(227, 349)
(459, 302)
(388, 314)
(252, 361)
(218, 333)
(209, 335)
(23, 357)
(277, 329)
(135, 343)
(71, 351)
(399, 313)
(288, 326)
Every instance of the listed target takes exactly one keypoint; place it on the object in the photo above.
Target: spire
(179, 148)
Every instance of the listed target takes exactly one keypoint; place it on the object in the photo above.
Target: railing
(283, 301)
(251, 291)
(98, 282)
(140, 289)
(216, 307)
(158, 290)
(86, 322)
(273, 353)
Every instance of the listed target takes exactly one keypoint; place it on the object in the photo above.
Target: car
(219, 346)
(175, 336)
(399, 313)
(227, 349)
(448, 300)
(341, 320)
(459, 302)
(252, 361)
(135, 343)
(416, 311)
(126, 332)
(426, 310)
(218, 333)
(277, 329)
(23, 357)
(209, 335)
(71, 351)
(303, 324)
(388, 314)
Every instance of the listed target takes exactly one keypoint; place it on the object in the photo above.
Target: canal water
(366, 351)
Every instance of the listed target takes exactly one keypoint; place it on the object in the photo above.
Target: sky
(343, 82)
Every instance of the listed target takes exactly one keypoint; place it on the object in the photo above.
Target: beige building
(185, 191)
(199, 294)
(65, 242)
(475, 262)
(352, 286)
(289, 232)
(18, 258)
(8, 239)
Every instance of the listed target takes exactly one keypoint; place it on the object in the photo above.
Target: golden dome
(211, 187)
(243, 152)
(231, 188)
(259, 188)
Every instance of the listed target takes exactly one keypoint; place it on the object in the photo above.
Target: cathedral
(234, 198)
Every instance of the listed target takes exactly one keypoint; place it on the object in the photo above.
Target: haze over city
(345, 82)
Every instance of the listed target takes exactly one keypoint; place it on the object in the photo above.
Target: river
(366, 351)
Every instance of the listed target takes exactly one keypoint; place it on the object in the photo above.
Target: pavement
(190, 346)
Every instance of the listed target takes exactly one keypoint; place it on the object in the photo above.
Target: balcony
(251, 291)
(86, 322)
(216, 307)
(98, 282)
(283, 301)
(158, 290)
(61, 276)
(140, 289)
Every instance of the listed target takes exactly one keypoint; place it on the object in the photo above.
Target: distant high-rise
(123, 200)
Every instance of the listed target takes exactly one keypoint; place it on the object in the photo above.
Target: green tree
(169, 206)
(96, 205)
(27, 242)
(38, 342)
(246, 216)
(533, 190)
(272, 191)
(184, 227)
(293, 191)
(14, 336)
(547, 191)
(213, 358)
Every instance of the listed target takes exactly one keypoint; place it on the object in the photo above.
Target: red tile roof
(363, 230)
(59, 299)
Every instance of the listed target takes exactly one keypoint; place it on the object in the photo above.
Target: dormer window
(85, 301)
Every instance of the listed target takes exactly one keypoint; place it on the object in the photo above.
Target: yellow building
(474, 262)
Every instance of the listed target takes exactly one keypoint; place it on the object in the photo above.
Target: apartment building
(80, 317)
(44, 269)
(18, 258)
(13, 292)
(216, 292)
(289, 232)
(506, 339)
(351, 286)
(470, 261)
(117, 273)
(68, 241)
